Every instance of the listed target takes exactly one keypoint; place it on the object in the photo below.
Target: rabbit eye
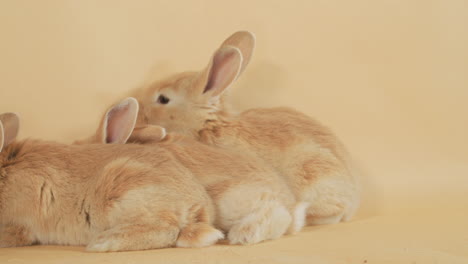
(163, 99)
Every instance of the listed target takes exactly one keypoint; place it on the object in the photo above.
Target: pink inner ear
(120, 122)
(224, 69)
(245, 42)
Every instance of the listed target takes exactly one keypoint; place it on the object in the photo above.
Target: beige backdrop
(389, 76)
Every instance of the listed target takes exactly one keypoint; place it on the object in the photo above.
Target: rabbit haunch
(108, 197)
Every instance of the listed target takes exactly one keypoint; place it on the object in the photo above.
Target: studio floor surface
(404, 237)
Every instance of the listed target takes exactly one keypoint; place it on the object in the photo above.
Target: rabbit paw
(103, 245)
(244, 234)
(258, 227)
(199, 235)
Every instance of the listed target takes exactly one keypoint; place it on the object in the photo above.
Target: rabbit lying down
(252, 201)
(107, 197)
(309, 157)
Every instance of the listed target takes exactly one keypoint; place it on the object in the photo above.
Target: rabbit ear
(2, 136)
(9, 128)
(119, 121)
(221, 72)
(245, 42)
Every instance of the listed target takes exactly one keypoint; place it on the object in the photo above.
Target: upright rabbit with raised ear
(252, 201)
(312, 160)
(108, 197)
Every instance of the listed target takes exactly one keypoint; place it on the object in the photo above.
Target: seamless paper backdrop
(390, 77)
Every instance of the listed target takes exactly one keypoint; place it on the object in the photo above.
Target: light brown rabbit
(108, 197)
(252, 201)
(312, 160)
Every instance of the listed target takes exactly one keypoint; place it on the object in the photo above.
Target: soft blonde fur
(252, 201)
(309, 157)
(107, 197)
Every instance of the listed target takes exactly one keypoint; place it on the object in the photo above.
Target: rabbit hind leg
(139, 236)
(252, 214)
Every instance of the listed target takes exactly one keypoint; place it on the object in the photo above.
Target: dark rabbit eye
(163, 99)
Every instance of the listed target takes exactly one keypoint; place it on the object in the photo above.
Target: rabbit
(107, 197)
(252, 201)
(312, 160)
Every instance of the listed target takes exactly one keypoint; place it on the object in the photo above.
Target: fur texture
(308, 156)
(252, 201)
(107, 197)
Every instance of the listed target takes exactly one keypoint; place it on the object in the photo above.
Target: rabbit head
(184, 102)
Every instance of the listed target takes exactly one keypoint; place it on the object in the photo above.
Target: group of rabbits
(173, 166)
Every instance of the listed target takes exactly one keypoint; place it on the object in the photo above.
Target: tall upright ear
(245, 42)
(221, 72)
(9, 128)
(118, 123)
